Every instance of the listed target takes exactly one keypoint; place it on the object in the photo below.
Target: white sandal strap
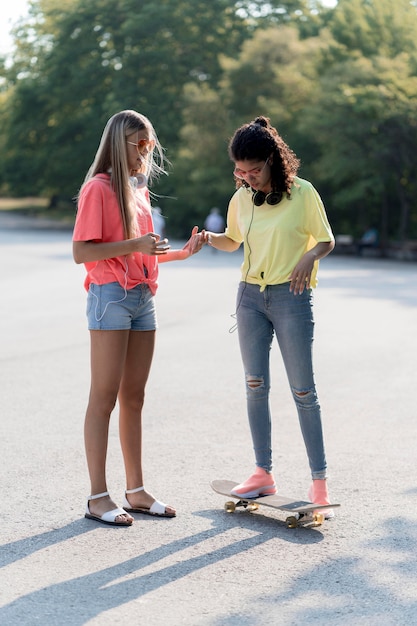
(135, 490)
(98, 495)
(110, 516)
(158, 508)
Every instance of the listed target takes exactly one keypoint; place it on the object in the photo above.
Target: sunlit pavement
(206, 567)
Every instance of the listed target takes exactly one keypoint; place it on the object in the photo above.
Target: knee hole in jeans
(300, 393)
(306, 398)
(254, 382)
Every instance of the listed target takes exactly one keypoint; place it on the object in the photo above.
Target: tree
(339, 84)
(374, 27)
(78, 63)
(274, 75)
(365, 117)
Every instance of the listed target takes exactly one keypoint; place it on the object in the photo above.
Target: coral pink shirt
(98, 219)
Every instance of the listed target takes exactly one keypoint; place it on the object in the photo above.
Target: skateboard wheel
(253, 506)
(318, 519)
(230, 506)
(291, 522)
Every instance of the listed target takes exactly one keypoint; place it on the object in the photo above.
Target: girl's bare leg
(108, 356)
(131, 398)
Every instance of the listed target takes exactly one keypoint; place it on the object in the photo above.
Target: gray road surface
(206, 568)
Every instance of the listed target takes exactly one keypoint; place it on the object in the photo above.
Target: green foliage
(375, 27)
(340, 85)
(269, 64)
(89, 60)
(366, 117)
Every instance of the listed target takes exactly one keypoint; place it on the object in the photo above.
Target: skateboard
(301, 512)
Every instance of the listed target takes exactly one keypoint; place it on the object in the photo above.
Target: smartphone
(163, 245)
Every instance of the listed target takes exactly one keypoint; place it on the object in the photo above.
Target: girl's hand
(301, 275)
(195, 242)
(152, 244)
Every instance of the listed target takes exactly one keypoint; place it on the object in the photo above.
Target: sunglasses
(254, 172)
(142, 144)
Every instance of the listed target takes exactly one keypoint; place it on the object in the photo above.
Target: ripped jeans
(290, 317)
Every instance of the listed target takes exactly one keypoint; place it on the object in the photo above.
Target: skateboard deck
(301, 512)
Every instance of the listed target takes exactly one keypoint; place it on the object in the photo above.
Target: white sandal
(108, 517)
(158, 509)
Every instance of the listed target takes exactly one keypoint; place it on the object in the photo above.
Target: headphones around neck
(259, 197)
(139, 181)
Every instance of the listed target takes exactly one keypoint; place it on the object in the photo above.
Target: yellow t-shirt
(276, 236)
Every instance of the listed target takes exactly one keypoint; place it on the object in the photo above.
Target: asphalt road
(206, 567)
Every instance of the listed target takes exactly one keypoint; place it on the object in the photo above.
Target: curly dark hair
(258, 140)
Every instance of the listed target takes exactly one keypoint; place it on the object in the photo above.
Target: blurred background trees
(340, 84)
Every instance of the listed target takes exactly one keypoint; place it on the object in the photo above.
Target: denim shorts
(112, 307)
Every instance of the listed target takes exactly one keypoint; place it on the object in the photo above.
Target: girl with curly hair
(281, 221)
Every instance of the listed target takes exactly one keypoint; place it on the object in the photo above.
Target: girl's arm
(193, 245)
(222, 242)
(90, 251)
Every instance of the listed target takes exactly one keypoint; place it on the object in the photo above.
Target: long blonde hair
(111, 157)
